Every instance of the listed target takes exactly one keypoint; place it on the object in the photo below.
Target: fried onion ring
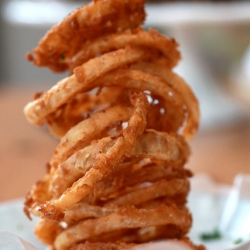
(127, 217)
(100, 17)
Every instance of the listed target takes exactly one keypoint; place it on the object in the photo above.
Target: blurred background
(214, 38)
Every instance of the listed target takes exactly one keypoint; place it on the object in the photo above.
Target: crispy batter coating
(117, 178)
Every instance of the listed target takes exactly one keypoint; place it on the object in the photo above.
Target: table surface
(25, 149)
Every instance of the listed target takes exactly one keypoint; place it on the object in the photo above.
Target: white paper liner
(10, 241)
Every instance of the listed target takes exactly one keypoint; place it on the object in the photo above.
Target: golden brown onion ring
(64, 40)
(127, 217)
(151, 39)
(66, 89)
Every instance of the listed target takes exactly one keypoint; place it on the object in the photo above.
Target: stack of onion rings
(123, 118)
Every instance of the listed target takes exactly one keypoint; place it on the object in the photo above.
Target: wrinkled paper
(10, 241)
